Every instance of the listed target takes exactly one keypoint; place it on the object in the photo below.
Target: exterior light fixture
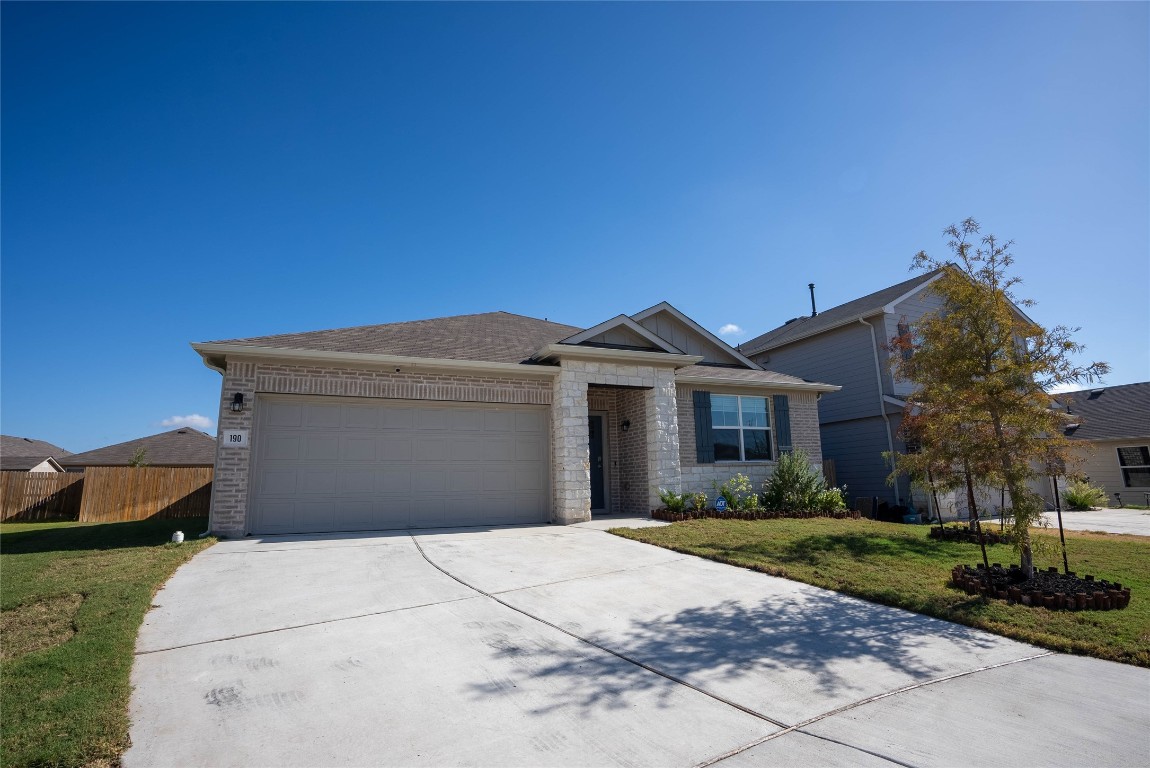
(237, 402)
(625, 425)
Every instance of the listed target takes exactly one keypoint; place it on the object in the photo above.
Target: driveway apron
(568, 646)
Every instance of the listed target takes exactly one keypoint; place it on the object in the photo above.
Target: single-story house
(23, 454)
(183, 447)
(490, 419)
(1110, 427)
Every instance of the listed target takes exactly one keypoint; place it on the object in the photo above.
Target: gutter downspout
(882, 403)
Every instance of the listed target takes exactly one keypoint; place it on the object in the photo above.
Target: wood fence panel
(28, 497)
(829, 472)
(115, 494)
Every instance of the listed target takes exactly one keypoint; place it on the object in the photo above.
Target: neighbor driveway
(568, 646)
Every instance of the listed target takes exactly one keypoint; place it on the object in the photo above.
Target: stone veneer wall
(230, 487)
(804, 412)
(571, 479)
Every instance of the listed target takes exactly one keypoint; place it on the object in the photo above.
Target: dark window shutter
(782, 405)
(704, 442)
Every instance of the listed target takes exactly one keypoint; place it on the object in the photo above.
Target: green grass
(73, 598)
(899, 565)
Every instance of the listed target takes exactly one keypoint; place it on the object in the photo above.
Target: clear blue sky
(188, 172)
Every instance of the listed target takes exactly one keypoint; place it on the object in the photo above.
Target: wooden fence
(113, 494)
(106, 494)
(829, 472)
(29, 497)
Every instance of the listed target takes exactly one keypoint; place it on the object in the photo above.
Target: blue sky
(187, 172)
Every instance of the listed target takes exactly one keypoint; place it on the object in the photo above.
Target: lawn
(73, 598)
(899, 565)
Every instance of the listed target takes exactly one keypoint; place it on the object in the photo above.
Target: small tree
(139, 458)
(981, 369)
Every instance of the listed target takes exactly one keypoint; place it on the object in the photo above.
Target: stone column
(570, 464)
(662, 411)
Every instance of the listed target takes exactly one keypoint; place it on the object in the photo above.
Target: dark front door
(595, 448)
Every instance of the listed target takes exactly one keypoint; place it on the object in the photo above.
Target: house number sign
(236, 438)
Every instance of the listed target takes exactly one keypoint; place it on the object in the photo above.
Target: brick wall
(633, 479)
(700, 477)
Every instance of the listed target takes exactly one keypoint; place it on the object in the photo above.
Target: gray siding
(843, 356)
(856, 448)
(667, 326)
(1099, 462)
(912, 308)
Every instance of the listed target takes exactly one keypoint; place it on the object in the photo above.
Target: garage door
(343, 464)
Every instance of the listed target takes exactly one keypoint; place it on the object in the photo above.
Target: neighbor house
(183, 447)
(850, 345)
(1110, 428)
(23, 454)
(490, 419)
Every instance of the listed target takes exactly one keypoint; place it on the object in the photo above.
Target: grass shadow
(23, 539)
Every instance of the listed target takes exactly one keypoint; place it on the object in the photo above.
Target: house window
(740, 428)
(1135, 463)
(904, 335)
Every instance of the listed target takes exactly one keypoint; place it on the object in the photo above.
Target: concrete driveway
(1133, 521)
(567, 646)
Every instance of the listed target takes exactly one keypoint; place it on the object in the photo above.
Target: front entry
(595, 422)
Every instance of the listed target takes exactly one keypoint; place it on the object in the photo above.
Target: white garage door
(348, 464)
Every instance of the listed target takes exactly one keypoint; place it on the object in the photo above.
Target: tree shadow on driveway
(811, 648)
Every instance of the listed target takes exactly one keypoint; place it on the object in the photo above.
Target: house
(183, 447)
(849, 345)
(1110, 427)
(490, 419)
(23, 454)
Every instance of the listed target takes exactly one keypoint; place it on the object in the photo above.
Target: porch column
(662, 412)
(570, 463)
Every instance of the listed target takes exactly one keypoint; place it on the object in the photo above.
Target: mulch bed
(965, 534)
(1046, 589)
(761, 514)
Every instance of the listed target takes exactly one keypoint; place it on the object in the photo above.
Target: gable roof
(183, 447)
(627, 325)
(1109, 413)
(664, 306)
(25, 463)
(850, 312)
(26, 446)
(499, 337)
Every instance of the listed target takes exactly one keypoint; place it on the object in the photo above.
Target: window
(741, 428)
(1135, 463)
(905, 337)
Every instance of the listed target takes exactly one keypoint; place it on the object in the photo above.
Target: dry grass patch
(38, 625)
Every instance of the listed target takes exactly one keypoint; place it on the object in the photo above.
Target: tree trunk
(975, 524)
(1022, 520)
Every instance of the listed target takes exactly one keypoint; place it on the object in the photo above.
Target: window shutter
(704, 442)
(782, 405)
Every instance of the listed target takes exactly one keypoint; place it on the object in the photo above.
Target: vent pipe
(814, 312)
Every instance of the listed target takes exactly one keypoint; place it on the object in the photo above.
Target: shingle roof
(1109, 413)
(26, 446)
(739, 374)
(184, 447)
(498, 337)
(21, 463)
(827, 319)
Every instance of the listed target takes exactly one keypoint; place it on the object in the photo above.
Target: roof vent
(1095, 394)
(181, 431)
(792, 320)
(27, 439)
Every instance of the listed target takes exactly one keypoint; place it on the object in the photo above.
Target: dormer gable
(675, 328)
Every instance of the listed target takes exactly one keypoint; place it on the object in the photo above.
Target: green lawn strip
(67, 702)
(899, 565)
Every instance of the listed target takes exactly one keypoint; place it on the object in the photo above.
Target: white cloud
(730, 329)
(193, 420)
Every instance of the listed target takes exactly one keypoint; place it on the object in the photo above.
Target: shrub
(738, 493)
(795, 484)
(1081, 495)
(831, 500)
(699, 501)
(674, 502)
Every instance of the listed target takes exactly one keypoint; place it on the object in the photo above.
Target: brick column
(662, 416)
(233, 465)
(570, 460)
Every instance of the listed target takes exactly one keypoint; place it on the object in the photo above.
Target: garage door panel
(331, 464)
(358, 449)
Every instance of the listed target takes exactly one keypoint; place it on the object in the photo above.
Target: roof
(184, 447)
(498, 337)
(865, 306)
(26, 446)
(729, 375)
(25, 463)
(1109, 413)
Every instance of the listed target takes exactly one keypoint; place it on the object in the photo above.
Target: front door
(598, 474)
